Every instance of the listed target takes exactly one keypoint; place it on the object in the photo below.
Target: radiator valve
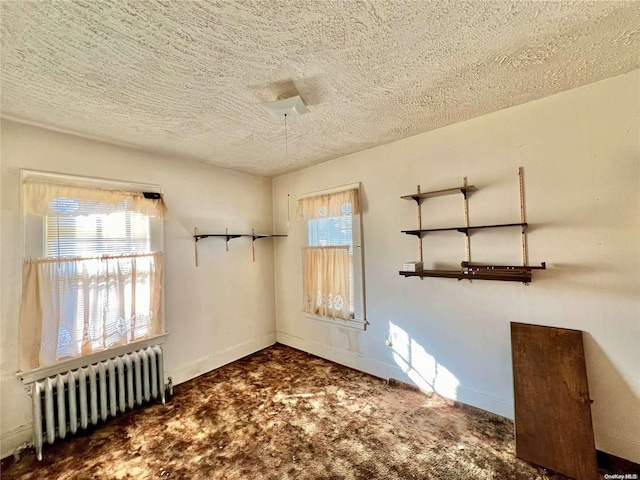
(18, 451)
(169, 388)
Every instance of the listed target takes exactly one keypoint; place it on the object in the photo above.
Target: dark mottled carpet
(284, 414)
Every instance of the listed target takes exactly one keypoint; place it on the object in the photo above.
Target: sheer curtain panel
(325, 286)
(76, 306)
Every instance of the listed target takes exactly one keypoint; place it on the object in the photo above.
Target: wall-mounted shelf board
(474, 271)
(267, 235)
(478, 266)
(464, 230)
(438, 193)
(223, 235)
(523, 276)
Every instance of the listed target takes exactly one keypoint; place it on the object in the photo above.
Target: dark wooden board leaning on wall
(552, 406)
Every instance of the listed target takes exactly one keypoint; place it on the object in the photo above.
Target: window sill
(73, 363)
(355, 323)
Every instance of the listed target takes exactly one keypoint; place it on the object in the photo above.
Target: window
(333, 232)
(332, 257)
(93, 281)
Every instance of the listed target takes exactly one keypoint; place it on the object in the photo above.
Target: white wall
(580, 151)
(216, 313)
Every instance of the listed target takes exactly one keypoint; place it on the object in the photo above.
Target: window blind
(97, 234)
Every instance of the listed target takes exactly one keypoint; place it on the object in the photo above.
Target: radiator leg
(138, 374)
(82, 390)
(158, 351)
(113, 406)
(73, 408)
(93, 394)
(62, 410)
(49, 414)
(130, 391)
(154, 372)
(102, 375)
(37, 418)
(121, 388)
(145, 375)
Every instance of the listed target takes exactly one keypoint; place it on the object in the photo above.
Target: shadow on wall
(420, 366)
(611, 392)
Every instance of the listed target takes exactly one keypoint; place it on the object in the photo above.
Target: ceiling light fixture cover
(291, 107)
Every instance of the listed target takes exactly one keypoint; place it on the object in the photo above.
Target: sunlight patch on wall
(420, 366)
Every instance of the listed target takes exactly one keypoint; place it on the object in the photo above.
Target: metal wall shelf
(229, 236)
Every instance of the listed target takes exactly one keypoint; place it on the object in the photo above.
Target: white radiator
(78, 398)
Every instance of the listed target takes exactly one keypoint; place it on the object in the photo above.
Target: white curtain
(76, 306)
(325, 285)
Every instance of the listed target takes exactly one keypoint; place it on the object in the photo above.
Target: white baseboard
(626, 448)
(484, 402)
(343, 357)
(219, 359)
(9, 441)
(385, 370)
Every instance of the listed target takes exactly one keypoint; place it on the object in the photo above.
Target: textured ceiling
(186, 78)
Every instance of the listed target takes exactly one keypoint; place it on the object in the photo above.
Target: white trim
(343, 357)
(356, 323)
(12, 439)
(219, 359)
(627, 448)
(484, 402)
(360, 307)
(73, 363)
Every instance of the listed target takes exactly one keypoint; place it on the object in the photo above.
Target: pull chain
(286, 156)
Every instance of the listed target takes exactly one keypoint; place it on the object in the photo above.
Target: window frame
(33, 243)
(359, 320)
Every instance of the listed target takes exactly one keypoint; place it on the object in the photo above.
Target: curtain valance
(345, 202)
(44, 198)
